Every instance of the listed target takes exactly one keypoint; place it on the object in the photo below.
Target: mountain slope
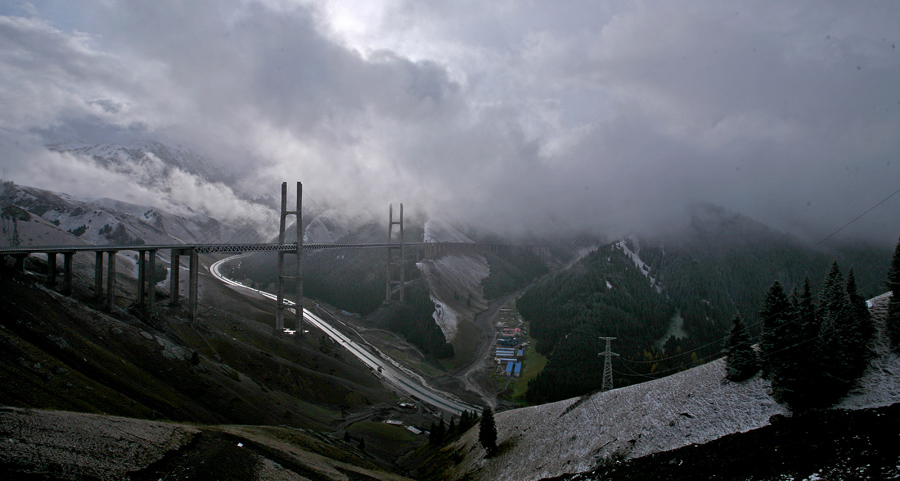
(107, 221)
(692, 407)
(669, 300)
(66, 353)
(39, 445)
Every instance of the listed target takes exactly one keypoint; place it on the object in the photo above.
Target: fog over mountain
(520, 116)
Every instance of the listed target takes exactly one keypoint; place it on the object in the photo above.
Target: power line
(857, 218)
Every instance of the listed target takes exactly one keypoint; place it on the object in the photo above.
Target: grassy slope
(43, 450)
(62, 354)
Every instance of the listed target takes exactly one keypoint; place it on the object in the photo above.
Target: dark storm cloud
(519, 115)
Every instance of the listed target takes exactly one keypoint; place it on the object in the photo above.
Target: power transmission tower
(607, 364)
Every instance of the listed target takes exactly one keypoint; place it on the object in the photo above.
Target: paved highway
(388, 369)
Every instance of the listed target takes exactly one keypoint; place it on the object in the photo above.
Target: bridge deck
(234, 248)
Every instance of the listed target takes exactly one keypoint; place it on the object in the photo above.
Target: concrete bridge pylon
(399, 248)
(298, 272)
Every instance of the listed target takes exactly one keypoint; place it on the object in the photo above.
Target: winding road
(382, 365)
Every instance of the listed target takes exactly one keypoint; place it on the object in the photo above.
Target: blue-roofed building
(518, 369)
(520, 353)
(509, 368)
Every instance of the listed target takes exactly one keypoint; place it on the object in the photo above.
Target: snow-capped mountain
(148, 161)
(108, 221)
(175, 180)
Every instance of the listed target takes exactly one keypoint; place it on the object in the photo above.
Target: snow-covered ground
(692, 407)
(880, 385)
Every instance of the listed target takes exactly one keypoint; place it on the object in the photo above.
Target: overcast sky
(519, 114)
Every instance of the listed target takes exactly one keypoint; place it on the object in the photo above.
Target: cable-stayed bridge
(147, 257)
(368, 239)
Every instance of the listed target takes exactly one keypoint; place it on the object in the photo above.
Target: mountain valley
(667, 300)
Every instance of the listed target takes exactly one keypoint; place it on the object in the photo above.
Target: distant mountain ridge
(691, 282)
(109, 221)
(144, 153)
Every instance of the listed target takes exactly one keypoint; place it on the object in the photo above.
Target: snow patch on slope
(633, 255)
(445, 318)
(449, 274)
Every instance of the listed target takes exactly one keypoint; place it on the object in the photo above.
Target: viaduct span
(147, 256)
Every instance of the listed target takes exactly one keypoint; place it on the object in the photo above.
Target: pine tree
(786, 353)
(467, 421)
(834, 311)
(893, 283)
(833, 299)
(775, 313)
(487, 431)
(741, 361)
(806, 317)
(432, 433)
(451, 429)
(439, 431)
(464, 421)
(860, 330)
(807, 381)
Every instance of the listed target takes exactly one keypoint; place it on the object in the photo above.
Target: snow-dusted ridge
(692, 407)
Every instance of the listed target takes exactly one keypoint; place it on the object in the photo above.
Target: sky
(517, 116)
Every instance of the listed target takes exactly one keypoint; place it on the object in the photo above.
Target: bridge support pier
(51, 269)
(194, 284)
(67, 273)
(142, 278)
(111, 280)
(98, 275)
(20, 263)
(298, 272)
(174, 276)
